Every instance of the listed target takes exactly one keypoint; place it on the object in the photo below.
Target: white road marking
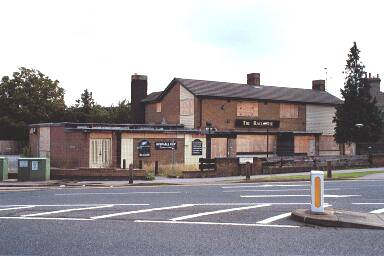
(16, 208)
(266, 186)
(65, 205)
(215, 223)
(273, 190)
(222, 204)
(274, 218)
(118, 193)
(378, 211)
(281, 216)
(218, 212)
(141, 211)
(264, 196)
(368, 203)
(40, 218)
(67, 210)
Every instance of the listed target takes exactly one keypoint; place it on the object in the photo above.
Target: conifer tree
(359, 106)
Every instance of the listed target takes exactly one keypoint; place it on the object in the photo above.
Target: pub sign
(247, 123)
(166, 145)
(197, 147)
(144, 148)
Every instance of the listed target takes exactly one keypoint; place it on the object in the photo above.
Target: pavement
(13, 183)
(222, 218)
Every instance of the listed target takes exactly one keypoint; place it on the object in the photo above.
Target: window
(158, 107)
(249, 109)
(289, 111)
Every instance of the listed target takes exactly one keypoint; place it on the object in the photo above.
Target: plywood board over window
(248, 109)
(289, 110)
(158, 107)
(255, 143)
(305, 145)
(218, 147)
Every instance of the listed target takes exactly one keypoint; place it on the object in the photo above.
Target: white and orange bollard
(317, 192)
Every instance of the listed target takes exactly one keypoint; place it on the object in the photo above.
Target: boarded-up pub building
(191, 119)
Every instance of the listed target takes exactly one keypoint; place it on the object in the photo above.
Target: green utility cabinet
(33, 169)
(3, 168)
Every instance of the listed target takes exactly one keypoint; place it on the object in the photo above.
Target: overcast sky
(99, 44)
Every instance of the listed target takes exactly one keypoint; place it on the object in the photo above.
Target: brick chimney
(374, 84)
(318, 85)
(253, 79)
(139, 86)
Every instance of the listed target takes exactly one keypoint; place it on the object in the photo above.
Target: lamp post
(208, 127)
(267, 142)
(359, 126)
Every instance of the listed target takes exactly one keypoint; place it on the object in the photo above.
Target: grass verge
(335, 176)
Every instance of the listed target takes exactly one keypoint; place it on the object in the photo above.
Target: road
(218, 219)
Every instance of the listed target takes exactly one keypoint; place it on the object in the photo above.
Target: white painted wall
(188, 157)
(126, 151)
(187, 109)
(45, 142)
(319, 119)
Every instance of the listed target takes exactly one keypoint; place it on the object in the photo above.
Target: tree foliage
(359, 106)
(28, 97)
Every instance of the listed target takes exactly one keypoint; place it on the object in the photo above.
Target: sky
(98, 45)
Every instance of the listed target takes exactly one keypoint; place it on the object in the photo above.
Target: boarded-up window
(328, 143)
(218, 147)
(158, 107)
(250, 109)
(305, 145)
(289, 110)
(255, 143)
(186, 107)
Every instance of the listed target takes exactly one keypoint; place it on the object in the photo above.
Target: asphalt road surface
(227, 219)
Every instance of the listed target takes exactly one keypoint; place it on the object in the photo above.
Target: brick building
(249, 119)
(76, 145)
(191, 119)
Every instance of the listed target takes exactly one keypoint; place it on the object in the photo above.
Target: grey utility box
(3, 168)
(33, 169)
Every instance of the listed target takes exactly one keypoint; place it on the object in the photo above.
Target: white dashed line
(117, 193)
(218, 212)
(274, 218)
(17, 208)
(67, 210)
(40, 218)
(140, 211)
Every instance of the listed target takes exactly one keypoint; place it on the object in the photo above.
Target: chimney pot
(253, 79)
(139, 87)
(369, 75)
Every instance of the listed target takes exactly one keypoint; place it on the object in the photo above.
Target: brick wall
(170, 108)
(69, 149)
(223, 113)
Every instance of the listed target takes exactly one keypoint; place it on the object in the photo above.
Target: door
(285, 144)
(100, 153)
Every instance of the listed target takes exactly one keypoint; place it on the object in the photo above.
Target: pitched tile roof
(204, 88)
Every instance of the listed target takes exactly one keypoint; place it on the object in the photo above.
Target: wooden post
(124, 164)
(140, 164)
(329, 169)
(248, 171)
(156, 168)
(131, 174)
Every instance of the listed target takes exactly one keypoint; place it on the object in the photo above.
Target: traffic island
(340, 218)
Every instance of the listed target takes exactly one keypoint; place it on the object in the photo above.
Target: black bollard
(156, 168)
(131, 174)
